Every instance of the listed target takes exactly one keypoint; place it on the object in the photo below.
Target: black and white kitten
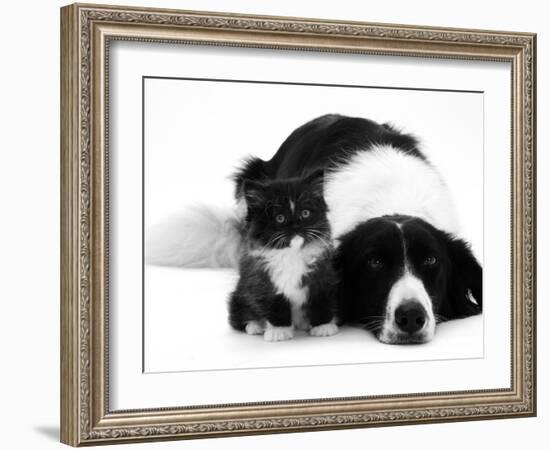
(287, 280)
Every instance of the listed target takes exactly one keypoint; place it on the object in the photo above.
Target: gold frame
(86, 31)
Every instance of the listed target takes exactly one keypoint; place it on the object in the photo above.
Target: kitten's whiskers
(315, 234)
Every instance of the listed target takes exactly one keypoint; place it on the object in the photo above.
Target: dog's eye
(375, 263)
(305, 213)
(280, 218)
(430, 261)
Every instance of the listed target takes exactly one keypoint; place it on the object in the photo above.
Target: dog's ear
(465, 284)
(349, 263)
(346, 267)
(349, 258)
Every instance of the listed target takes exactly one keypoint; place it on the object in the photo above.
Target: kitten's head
(280, 210)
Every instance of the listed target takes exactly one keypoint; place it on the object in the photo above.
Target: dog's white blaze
(407, 288)
(384, 181)
(286, 268)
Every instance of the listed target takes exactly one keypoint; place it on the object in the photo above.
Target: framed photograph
(275, 224)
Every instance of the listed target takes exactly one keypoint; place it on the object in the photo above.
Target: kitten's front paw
(325, 329)
(254, 327)
(275, 334)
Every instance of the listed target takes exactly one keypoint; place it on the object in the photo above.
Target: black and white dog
(402, 267)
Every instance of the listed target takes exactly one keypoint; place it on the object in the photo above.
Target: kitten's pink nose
(297, 241)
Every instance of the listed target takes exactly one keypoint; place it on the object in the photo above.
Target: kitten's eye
(305, 213)
(375, 263)
(430, 261)
(280, 218)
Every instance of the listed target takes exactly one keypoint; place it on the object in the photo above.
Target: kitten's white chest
(287, 267)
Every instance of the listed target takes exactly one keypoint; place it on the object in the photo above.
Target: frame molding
(86, 31)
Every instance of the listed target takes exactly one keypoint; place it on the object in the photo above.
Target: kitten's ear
(316, 179)
(253, 192)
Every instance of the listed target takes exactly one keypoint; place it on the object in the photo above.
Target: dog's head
(400, 276)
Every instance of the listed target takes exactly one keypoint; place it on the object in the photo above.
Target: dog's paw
(254, 327)
(275, 334)
(325, 329)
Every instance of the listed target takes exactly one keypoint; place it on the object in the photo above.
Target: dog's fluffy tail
(199, 236)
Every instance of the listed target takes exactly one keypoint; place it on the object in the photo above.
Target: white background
(29, 175)
(196, 132)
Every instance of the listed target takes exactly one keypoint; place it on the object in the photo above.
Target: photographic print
(285, 211)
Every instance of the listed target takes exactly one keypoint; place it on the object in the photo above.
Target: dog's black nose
(410, 317)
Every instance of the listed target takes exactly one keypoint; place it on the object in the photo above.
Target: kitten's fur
(286, 276)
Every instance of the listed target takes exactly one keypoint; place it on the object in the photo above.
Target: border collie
(402, 267)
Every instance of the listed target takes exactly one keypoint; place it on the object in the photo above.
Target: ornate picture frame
(86, 34)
